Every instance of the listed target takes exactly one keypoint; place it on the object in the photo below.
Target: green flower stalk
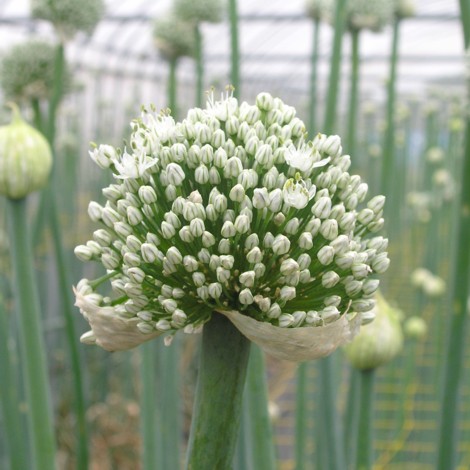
(234, 220)
(375, 345)
(174, 39)
(27, 72)
(69, 16)
(195, 12)
(25, 162)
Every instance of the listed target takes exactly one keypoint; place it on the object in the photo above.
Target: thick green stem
(169, 426)
(172, 85)
(312, 108)
(199, 66)
(31, 341)
(389, 140)
(335, 66)
(235, 55)
(263, 456)
(353, 93)
(351, 416)
(148, 421)
(301, 416)
(447, 456)
(364, 457)
(10, 400)
(217, 406)
(331, 433)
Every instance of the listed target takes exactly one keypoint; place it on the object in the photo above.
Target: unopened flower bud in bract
(25, 158)
(379, 341)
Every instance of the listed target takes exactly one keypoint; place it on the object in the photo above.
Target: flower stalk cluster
(233, 209)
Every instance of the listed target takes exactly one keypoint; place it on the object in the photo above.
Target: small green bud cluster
(27, 71)
(69, 16)
(431, 284)
(234, 209)
(174, 37)
(405, 8)
(377, 343)
(319, 9)
(197, 11)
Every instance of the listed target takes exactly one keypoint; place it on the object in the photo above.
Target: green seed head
(378, 342)
(197, 11)
(27, 71)
(69, 16)
(25, 158)
(174, 37)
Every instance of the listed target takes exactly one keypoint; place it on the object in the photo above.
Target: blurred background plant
(409, 112)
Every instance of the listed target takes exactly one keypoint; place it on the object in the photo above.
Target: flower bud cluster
(431, 284)
(173, 37)
(234, 209)
(197, 11)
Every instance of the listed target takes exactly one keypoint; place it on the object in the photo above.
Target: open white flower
(304, 157)
(133, 165)
(296, 194)
(224, 108)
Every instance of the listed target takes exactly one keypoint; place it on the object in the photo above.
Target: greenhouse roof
(275, 43)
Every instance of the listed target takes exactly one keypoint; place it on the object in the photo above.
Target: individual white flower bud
(366, 216)
(170, 193)
(340, 244)
(94, 211)
(370, 286)
(110, 217)
(220, 203)
(247, 278)
(281, 245)
(83, 253)
(348, 221)
(214, 262)
(132, 259)
(233, 167)
(330, 279)
(214, 176)
(223, 275)
(186, 235)
(378, 243)
(360, 270)
(168, 231)
(329, 314)
(346, 260)
(145, 315)
(286, 320)
(274, 311)
(381, 263)
(227, 261)
(326, 255)
(197, 227)
(265, 101)
(175, 174)
(254, 255)
(322, 207)
(199, 279)
(215, 290)
(204, 255)
(251, 146)
(145, 328)
(275, 200)
(313, 318)
(252, 241)
(220, 158)
(259, 269)
(353, 287)
(112, 192)
(136, 275)
(361, 191)
(174, 255)
(149, 252)
(376, 226)
(292, 226)
(237, 193)
(299, 318)
(178, 152)
(163, 325)
(306, 241)
(362, 305)
(102, 237)
(242, 224)
(287, 293)
(329, 229)
(261, 198)
(224, 246)
(232, 125)
(218, 138)
(268, 240)
(228, 230)
(134, 216)
(190, 263)
(245, 297)
(211, 213)
(167, 291)
(178, 318)
(264, 155)
(289, 266)
(201, 175)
